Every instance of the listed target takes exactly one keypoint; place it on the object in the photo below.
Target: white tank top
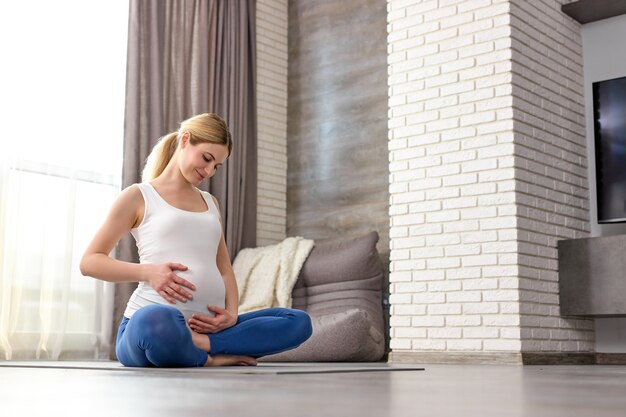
(169, 234)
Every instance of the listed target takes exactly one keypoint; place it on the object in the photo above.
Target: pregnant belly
(209, 290)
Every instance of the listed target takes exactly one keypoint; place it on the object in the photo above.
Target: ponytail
(160, 156)
(203, 128)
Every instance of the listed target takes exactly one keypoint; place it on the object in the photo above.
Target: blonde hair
(206, 127)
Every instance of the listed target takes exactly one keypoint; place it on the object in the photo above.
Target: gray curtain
(187, 57)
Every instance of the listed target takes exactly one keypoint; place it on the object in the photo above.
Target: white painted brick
(498, 223)
(446, 286)
(407, 154)
(481, 333)
(461, 226)
(432, 62)
(441, 193)
(463, 109)
(440, 148)
(499, 247)
(481, 189)
(411, 287)
(479, 142)
(480, 165)
(480, 308)
(427, 253)
(479, 213)
(443, 240)
(399, 276)
(501, 295)
(408, 22)
(464, 345)
(399, 299)
(428, 275)
(495, 127)
(463, 273)
(409, 310)
(461, 179)
(428, 345)
(480, 284)
(464, 296)
(522, 175)
(428, 298)
(399, 254)
(425, 207)
(502, 345)
(459, 203)
(425, 229)
(442, 216)
(477, 73)
(448, 310)
(408, 219)
(410, 332)
(501, 320)
(407, 175)
(409, 265)
(478, 118)
(456, 43)
(400, 344)
(398, 188)
(496, 150)
(462, 250)
(421, 51)
(463, 320)
(400, 321)
(457, 88)
(445, 333)
(427, 321)
(479, 237)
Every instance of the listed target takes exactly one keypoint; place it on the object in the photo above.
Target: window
(62, 106)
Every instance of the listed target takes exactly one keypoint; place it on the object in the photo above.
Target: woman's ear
(184, 139)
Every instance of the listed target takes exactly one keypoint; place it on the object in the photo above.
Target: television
(609, 120)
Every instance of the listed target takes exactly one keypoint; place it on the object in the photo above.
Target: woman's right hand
(170, 286)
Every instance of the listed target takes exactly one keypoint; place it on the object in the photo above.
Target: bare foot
(230, 360)
(201, 341)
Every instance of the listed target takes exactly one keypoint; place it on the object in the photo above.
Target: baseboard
(611, 358)
(502, 358)
(558, 358)
(481, 358)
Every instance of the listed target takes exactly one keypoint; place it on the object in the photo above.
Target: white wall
(604, 56)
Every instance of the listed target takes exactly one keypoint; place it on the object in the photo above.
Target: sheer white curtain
(61, 109)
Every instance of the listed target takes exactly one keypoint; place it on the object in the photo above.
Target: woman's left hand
(223, 319)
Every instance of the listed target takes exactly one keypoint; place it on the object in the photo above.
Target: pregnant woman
(184, 311)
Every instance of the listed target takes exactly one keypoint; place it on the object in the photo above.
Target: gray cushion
(340, 286)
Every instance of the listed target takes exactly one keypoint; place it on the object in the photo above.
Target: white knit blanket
(266, 275)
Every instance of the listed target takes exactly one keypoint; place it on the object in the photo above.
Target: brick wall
(271, 34)
(474, 215)
(551, 166)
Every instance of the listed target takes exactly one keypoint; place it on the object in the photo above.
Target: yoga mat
(262, 368)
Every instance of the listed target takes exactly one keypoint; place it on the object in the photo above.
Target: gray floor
(331, 390)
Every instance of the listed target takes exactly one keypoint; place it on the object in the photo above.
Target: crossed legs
(157, 335)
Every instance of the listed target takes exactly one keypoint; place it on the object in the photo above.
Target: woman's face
(200, 161)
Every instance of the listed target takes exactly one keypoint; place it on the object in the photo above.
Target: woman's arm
(125, 214)
(226, 269)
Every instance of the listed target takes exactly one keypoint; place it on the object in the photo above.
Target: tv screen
(609, 107)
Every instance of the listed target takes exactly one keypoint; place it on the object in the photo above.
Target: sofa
(340, 286)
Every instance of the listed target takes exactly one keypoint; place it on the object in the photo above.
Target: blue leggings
(157, 335)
